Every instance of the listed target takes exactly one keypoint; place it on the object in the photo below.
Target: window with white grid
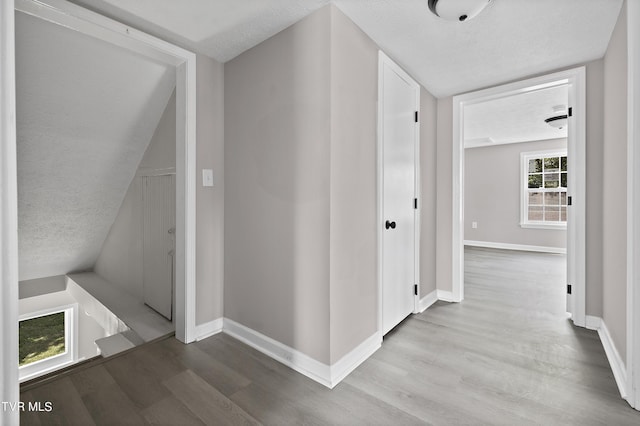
(544, 190)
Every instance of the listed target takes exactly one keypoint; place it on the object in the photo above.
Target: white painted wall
(492, 191)
(614, 197)
(120, 261)
(40, 286)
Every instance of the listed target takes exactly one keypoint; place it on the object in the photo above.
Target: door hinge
(416, 116)
(569, 200)
(415, 204)
(415, 289)
(568, 288)
(570, 112)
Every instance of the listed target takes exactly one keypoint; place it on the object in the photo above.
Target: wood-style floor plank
(203, 400)
(506, 355)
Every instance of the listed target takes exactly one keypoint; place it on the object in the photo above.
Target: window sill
(558, 227)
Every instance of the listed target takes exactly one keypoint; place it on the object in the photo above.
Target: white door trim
(9, 385)
(576, 80)
(383, 60)
(633, 205)
(82, 20)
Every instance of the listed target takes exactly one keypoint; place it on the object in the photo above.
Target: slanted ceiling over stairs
(86, 111)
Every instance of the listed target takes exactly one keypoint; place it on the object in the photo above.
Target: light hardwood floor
(507, 355)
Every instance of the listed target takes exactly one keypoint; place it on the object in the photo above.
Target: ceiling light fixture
(559, 117)
(457, 10)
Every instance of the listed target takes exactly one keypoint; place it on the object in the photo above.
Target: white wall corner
(353, 359)
(445, 296)
(322, 373)
(282, 353)
(617, 365)
(208, 329)
(427, 301)
(593, 323)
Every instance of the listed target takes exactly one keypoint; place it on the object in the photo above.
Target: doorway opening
(516, 185)
(533, 198)
(67, 20)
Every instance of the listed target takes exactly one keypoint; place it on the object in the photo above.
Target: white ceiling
(513, 119)
(86, 112)
(510, 39)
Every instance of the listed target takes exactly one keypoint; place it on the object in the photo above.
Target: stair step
(114, 344)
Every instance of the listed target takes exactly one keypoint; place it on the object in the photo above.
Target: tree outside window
(544, 195)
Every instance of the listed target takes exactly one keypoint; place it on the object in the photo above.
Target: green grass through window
(41, 338)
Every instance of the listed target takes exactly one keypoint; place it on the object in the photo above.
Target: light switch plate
(207, 177)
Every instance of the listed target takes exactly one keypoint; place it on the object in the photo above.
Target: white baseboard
(353, 359)
(208, 329)
(427, 301)
(593, 323)
(521, 247)
(322, 373)
(445, 296)
(290, 357)
(617, 365)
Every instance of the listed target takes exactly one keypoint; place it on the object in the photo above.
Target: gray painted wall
(209, 200)
(614, 199)
(428, 188)
(444, 185)
(277, 184)
(120, 261)
(493, 195)
(353, 191)
(300, 205)
(594, 148)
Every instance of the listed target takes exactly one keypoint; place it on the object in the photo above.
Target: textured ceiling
(221, 29)
(86, 112)
(518, 118)
(510, 39)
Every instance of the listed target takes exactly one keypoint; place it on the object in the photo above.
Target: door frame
(575, 79)
(78, 19)
(384, 60)
(633, 207)
(9, 383)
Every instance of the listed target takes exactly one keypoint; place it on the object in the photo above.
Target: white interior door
(398, 103)
(159, 207)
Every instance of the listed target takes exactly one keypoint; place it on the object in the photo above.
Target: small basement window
(41, 338)
(46, 341)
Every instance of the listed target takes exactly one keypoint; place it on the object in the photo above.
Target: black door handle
(389, 224)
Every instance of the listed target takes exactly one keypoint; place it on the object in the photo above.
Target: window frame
(524, 189)
(70, 356)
